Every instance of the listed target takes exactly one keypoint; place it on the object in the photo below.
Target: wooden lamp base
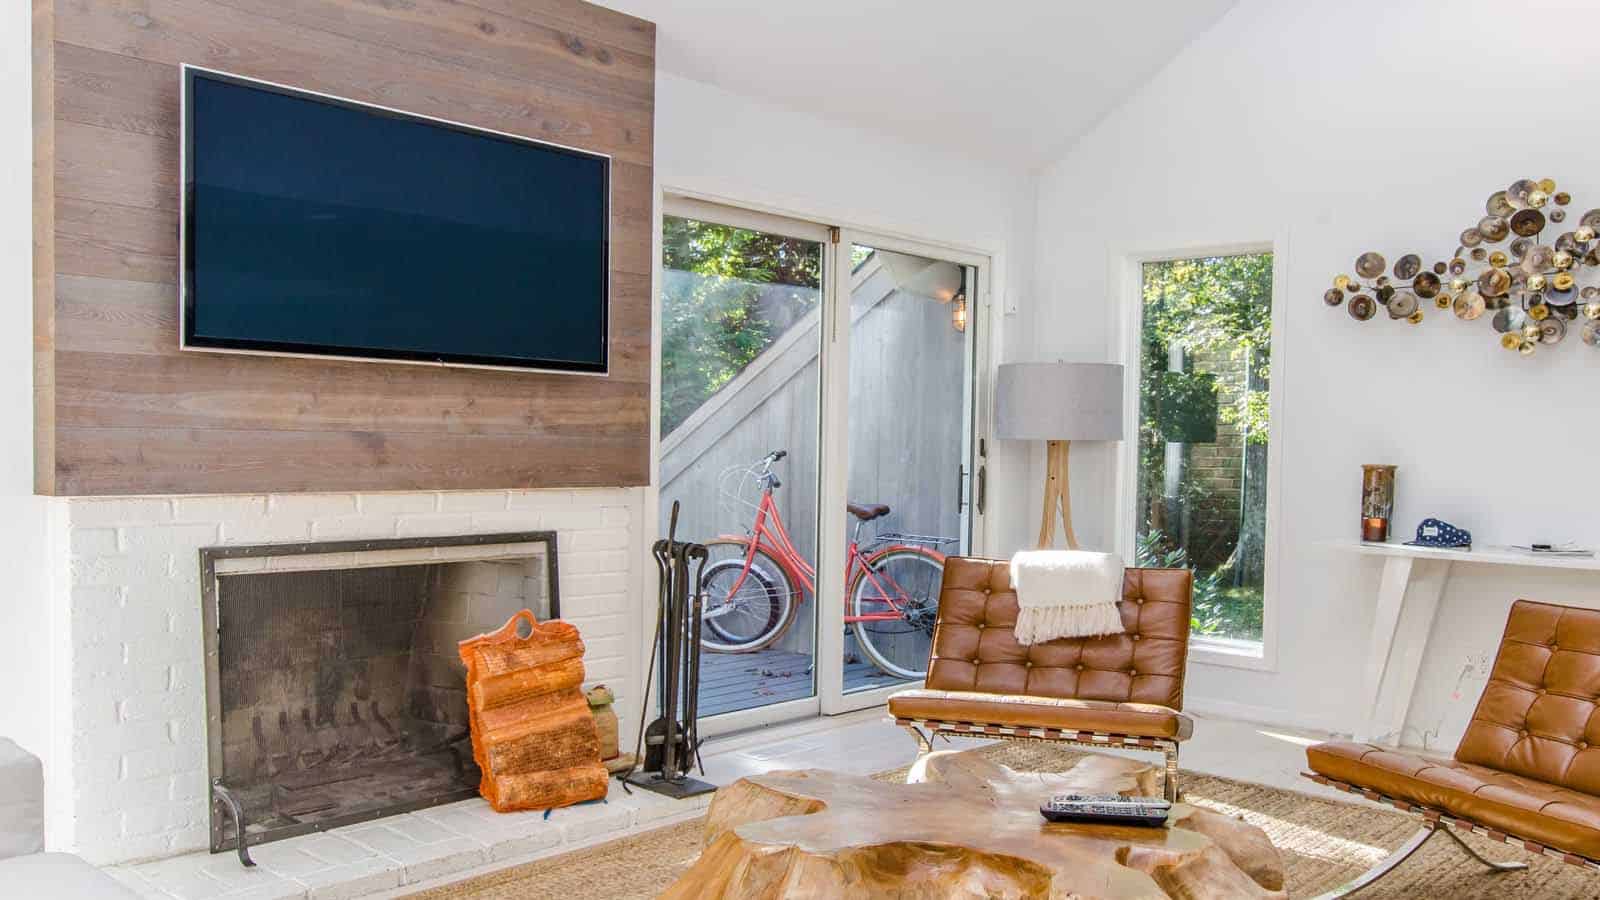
(1056, 494)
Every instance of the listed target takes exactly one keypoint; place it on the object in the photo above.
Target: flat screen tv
(318, 225)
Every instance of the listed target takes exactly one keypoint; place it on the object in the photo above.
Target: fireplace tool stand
(672, 742)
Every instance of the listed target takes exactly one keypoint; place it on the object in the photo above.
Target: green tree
(1215, 303)
(1218, 310)
(727, 294)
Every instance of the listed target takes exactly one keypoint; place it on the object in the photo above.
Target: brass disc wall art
(1529, 290)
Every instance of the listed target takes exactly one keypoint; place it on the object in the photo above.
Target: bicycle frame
(769, 536)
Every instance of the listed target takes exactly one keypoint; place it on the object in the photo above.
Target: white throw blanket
(1066, 593)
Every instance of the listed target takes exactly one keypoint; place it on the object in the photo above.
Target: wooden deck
(733, 681)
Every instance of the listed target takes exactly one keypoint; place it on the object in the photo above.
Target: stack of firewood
(532, 733)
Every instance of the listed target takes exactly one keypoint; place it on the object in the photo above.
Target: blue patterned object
(1437, 533)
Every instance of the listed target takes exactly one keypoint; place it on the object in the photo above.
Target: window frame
(1128, 273)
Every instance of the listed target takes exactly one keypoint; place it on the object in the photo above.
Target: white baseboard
(1317, 720)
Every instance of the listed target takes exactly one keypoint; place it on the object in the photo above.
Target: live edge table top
(963, 826)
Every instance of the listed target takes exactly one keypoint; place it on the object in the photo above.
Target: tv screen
(318, 225)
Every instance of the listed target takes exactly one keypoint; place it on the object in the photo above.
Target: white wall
(24, 627)
(713, 142)
(1335, 128)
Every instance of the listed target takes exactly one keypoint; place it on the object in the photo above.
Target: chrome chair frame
(1434, 821)
(1023, 734)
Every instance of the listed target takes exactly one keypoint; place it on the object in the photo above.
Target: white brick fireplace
(126, 761)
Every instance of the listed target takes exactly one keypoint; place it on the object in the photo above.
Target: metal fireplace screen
(336, 695)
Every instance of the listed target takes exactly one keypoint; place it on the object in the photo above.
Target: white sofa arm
(21, 801)
(58, 876)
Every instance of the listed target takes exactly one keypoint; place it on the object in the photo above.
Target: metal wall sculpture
(1529, 288)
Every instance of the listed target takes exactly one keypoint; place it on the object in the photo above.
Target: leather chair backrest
(1537, 716)
(974, 648)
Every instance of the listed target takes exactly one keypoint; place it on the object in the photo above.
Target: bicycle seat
(867, 512)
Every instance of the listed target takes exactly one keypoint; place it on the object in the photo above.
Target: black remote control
(1106, 809)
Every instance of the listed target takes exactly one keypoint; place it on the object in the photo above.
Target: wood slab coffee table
(963, 826)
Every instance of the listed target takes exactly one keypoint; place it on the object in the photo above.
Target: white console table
(1408, 597)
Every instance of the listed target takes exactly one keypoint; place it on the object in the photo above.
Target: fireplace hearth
(334, 690)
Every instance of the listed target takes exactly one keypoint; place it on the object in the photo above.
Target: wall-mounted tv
(323, 226)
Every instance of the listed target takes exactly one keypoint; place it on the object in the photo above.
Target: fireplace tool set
(672, 742)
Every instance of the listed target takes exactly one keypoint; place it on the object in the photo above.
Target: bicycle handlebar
(766, 468)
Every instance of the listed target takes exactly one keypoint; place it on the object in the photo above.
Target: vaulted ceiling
(1013, 81)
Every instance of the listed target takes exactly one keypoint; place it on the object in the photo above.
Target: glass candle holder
(1377, 502)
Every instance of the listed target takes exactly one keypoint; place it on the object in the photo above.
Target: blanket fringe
(1035, 625)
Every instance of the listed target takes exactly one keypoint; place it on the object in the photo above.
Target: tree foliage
(727, 294)
(1215, 304)
(1216, 311)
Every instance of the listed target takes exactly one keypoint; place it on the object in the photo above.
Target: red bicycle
(755, 582)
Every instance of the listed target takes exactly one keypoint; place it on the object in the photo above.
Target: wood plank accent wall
(120, 410)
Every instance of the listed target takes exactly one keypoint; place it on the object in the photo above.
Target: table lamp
(1058, 403)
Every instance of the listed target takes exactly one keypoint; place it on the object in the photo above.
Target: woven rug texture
(1323, 842)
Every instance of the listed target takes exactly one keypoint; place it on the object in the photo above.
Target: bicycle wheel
(753, 617)
(903, 581)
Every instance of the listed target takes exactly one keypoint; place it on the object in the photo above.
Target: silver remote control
(1106, 809)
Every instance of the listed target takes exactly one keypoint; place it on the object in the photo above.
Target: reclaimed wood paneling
(119, 410)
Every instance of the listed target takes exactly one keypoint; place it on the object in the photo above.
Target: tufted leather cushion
(1537, 716)
(974, 649)
(1548, 814)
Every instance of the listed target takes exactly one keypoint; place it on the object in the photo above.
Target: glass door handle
(983, 487)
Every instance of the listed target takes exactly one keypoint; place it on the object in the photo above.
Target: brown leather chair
(1526, 772)
(1123, 690)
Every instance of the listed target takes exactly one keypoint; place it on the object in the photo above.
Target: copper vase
(1377, 502)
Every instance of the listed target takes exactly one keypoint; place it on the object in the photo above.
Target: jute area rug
(1323, 842)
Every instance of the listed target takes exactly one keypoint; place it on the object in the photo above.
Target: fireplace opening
(334, 690)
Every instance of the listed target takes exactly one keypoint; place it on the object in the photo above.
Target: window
(1205, 351)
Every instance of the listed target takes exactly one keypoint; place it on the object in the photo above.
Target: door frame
(828, 697)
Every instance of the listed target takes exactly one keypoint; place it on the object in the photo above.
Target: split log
(963, 826)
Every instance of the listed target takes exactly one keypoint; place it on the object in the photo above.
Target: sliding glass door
(817, 408)
(910, 455)
(741, 299)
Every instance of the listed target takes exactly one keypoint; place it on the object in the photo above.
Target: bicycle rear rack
(900, 537)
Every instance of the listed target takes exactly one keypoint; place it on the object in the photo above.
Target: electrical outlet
(1475, 667)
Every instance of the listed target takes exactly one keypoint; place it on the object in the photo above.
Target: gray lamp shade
(1058, 402)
